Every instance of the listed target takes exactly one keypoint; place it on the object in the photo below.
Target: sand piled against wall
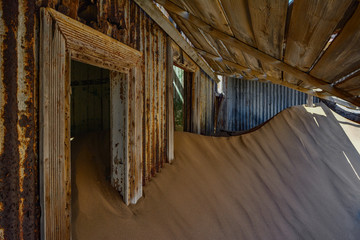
(294, 178)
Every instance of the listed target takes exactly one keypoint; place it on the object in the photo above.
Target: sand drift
(297, 177)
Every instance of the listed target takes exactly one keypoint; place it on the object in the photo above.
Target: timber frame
(197, 23)
(63, 39)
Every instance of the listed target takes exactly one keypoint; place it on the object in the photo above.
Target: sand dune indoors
(294, 178)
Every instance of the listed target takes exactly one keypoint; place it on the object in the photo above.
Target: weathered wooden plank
(240, 20)
(352, 84)
(135, 115)
(343, 55)
(314, 81)
(268, 20)
(118, 130)
(150, 8)
(85, 42)
(182, 59)
(311, 25)
(169, 100)
(209, 11)
(193, 34)
(54, 132)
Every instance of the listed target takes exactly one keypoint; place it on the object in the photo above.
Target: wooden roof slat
(239, 19)
(265, 58)
(151, 9)
(311, 25)
(268, 19)
(211, 14)
(193, 34)
(343, 55)
(351, 83)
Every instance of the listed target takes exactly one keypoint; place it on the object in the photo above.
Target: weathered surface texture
(122, 20)
(19, 212)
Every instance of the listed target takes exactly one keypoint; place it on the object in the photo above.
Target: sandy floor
(294, 178)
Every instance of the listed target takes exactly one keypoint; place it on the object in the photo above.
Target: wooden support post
(310, 101)
(170, 101)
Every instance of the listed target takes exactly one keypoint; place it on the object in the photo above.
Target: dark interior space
(90, 125)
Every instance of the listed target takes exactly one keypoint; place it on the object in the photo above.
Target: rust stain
(10, 157)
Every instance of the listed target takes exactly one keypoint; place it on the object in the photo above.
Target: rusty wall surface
(19, 32)
(249, 103)
(124, 21)
(203, 99)
(19, 212)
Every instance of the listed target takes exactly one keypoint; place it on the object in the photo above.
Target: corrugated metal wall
(123, 20)
(19, 209)
(250, 103)
(203, 98)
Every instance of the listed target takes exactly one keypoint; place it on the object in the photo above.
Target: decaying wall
(249, 103)
(19, 30)
(19, 212)
(203, 99)
(124, 21)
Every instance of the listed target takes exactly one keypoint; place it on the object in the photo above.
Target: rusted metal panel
(202, 110)
(122, 20)
(19, 212)
(250, 103)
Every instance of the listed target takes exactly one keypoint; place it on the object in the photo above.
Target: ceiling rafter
(260, 75)
(154, 12)
(217, 34)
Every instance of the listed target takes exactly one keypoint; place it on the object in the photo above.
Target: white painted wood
(119, 93)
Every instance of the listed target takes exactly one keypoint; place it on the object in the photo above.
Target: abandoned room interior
(180, 119)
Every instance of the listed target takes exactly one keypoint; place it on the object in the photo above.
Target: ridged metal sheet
(19, 212)
(203, 100)
(251, 103)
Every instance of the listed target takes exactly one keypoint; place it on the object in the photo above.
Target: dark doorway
(90, 137)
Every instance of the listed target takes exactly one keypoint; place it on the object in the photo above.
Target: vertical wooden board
(170, 103)
(148, 100)
(134, 168)
(240, 20)
(54, 132)
(119, 97)
(343, 55)
(152, 105)
(156, 99)
(211, 14)
(311, 25)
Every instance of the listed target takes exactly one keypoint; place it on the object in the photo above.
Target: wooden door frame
(63, 39)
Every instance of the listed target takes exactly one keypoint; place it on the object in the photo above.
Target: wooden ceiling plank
(193, 34)
(211, 14)
(268, 19)
(311, 25)
(350, 84)
(343, 55)
(239, 18)
(314, 81)
(151, 9)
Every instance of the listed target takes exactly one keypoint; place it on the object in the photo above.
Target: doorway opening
(89, 133)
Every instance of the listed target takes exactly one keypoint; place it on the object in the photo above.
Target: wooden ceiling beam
(152, 10)
(260, 75)
(217, 34)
